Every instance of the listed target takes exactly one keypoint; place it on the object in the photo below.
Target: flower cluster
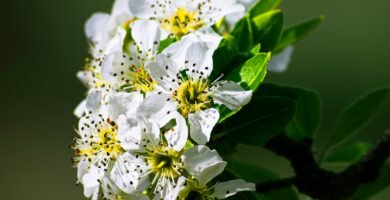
(151, 107)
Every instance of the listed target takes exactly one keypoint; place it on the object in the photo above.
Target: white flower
(181, 17)
(184, 82)
(233, 18)
(123, 68)
(155, 138)
(101, 27)
(98, 145)
(280, 61)
(205, 164)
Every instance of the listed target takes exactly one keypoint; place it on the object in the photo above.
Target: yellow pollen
(165, 162)
(192, 96)
(182, 22)
(142, 81)
(106, 143)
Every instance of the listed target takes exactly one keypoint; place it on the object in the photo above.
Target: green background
(43, 46)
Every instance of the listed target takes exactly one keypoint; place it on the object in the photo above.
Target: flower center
(105, 144)
(140, 80)
(192, 96)
(182, 22)
(165, 162)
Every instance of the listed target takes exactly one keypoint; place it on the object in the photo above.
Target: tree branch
(319, 183)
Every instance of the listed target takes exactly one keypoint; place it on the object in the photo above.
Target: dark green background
(43, 46)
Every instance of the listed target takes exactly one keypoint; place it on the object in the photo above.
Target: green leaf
(224, 55)
(297, 32)
(355, 117)
(260, 120)
(242, 32)
(165, 43)
(358, 115)
(263, 6)
(257, 174)
(267, 29)
(348, 154)
(252, 73)
(367, 191)
(307, 118)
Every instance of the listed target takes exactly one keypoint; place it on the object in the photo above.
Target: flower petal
(202, 123)
(123, 103)
(199, 60)
(157, 108)
(80, 109)
(148, 43)
(178, 50)
(94, 26)
(177, 136)
(126, 172)
(165, 71)
(226, 189)
(280, 61)
(91, 183)
(129, 133)
(144, 9)
(203, 163)
(231, 94)
(94, 101)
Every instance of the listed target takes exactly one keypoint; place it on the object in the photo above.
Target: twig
(319, 183)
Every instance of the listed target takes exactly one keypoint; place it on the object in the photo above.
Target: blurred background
(43, 46)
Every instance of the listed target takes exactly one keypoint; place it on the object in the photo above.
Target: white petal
(116, 43)
(123, 103)
(202, 123)
(121, 7)
(223, 8)
(125, 172)
(203, 163)
(157, 108)
(178, 135)
(115, 69)
(94, 100)
(279, 62)
(231, 94)
(80, 109)
(91, 183)
(147, 35)
(94, 26)
(143, 8)
(129, 133)
(178, 50)
(82, 168)
(226, 189)
(164, 70)
(199, 60)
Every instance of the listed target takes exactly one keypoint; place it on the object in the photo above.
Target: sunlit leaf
(294, 34)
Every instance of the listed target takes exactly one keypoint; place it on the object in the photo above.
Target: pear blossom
(205, 164)
(123, 68)
(155, 139)
(182, 17)
(98, 144)
(101, 27)
(185, 83)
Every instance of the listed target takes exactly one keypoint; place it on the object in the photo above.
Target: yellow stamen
(182, 22)
(192, 96)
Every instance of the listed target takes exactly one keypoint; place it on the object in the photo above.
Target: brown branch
(319, 183)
